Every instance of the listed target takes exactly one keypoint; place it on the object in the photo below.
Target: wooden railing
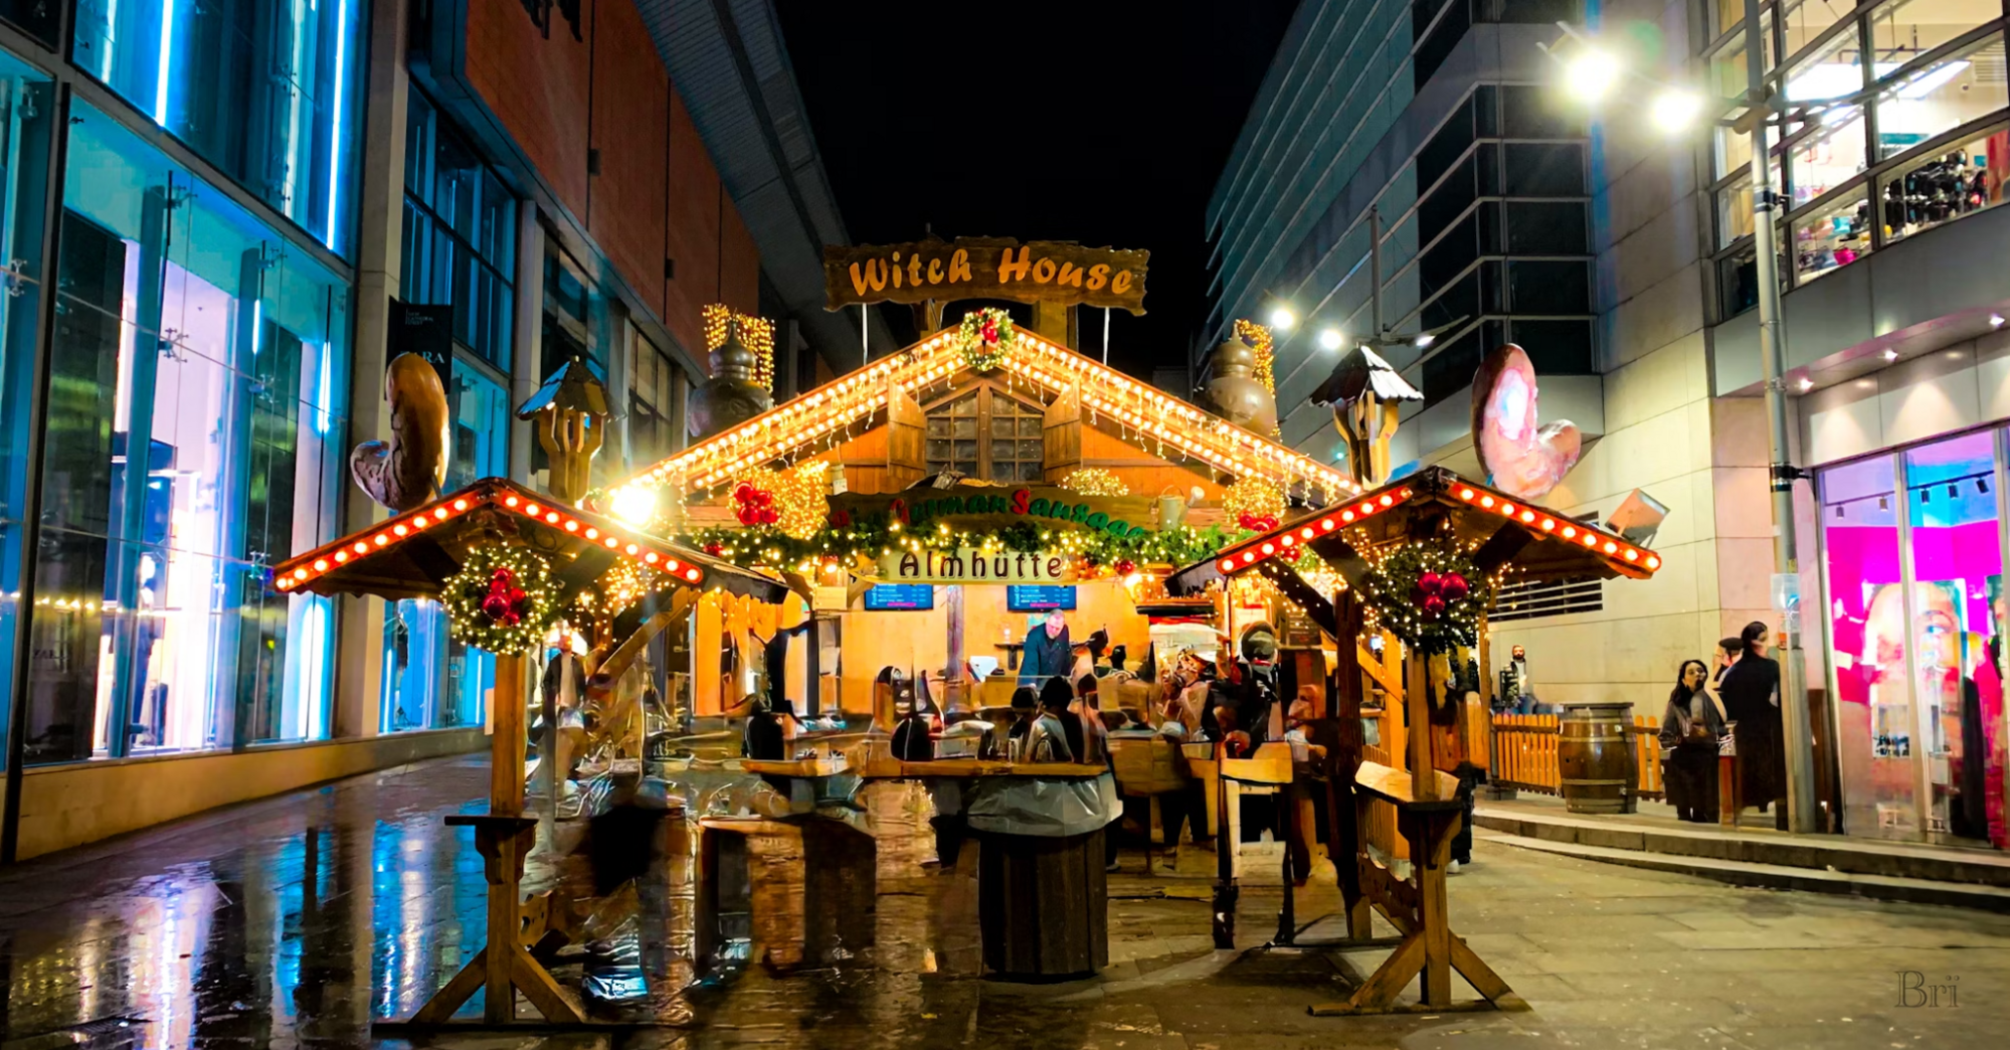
(1524, 754)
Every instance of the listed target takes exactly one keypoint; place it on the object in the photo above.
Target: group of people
(1740, 700)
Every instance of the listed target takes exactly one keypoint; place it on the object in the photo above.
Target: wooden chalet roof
(1541, 544)
(411, 555)
(1173, 428)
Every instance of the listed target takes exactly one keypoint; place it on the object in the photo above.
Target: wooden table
(1416, 906)
(1012, 650)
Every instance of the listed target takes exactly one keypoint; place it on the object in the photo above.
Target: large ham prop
(1522, 457)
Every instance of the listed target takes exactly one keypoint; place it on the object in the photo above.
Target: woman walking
(1752, 704)
(1690, 727)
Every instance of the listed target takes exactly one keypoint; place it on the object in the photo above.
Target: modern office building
(1898, 367)
(210, 213)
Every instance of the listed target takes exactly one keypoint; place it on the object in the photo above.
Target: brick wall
(695, 205)
(627, 211)
(537, 88)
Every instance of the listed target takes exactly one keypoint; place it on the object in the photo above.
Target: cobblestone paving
(297, 921)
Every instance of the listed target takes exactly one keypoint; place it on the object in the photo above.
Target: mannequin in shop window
(1986, 690)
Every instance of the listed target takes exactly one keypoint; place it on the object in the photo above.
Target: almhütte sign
(985, 268)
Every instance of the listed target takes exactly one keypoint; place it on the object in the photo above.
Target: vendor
(1048, 652)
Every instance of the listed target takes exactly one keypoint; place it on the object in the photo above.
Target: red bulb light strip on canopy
(1545, 524)
(293, 574)
(1176, 426)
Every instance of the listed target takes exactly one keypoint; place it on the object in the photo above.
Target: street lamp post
(1801, 802)
(1594, 72)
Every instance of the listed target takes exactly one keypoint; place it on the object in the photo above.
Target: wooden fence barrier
(1524, 754)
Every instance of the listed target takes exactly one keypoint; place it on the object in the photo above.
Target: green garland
(873, 537)
(1429, 596)
(979, 355)
(502, 600)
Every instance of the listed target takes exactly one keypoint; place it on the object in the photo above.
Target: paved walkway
(296, 921)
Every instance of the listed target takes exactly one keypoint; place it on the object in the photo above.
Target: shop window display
(1945, 185)
(190, 324)
(1957, 563)
(1921, 103)
(1829, 156)
(1860, 509)
(1834, 70)
(1833, 236)
(1903, 30)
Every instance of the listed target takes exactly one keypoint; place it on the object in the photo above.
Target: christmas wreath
(1430, 597)
(501, 600)
(986, 338)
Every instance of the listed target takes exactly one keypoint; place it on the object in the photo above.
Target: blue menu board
(887, 596)
(1038, 597)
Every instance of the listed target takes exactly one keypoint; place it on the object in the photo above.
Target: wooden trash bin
(1042, 904)
(1594, 758)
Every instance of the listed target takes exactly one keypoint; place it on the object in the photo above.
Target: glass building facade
(1915, 132)
(195, 419)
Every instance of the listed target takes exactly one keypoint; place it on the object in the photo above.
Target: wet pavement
(299, 920)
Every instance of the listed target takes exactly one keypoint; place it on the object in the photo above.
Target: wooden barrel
(1043, 904)
(1594, 757)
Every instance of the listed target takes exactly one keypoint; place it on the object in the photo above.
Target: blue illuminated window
(266, 90)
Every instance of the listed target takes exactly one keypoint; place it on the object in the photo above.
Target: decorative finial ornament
(406, 472)
(569, 413)
(1366, 394)
(1233, 391)
(731, 396)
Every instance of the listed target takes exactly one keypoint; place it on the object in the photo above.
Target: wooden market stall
(1421, 559)
(518, 557)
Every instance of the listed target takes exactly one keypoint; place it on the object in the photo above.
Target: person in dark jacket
(1750, 690)
(1047, 651)
(1690, 727)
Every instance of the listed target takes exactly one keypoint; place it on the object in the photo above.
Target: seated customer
(1056, 736)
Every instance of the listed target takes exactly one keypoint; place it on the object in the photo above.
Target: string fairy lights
(757, 334)
(1095, 481)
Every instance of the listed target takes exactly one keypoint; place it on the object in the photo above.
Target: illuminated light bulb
(611, 542)
(341, 556)
(282, 583)
(592, 534)
(571, 525)
(1269, 549)
(383, 539)
(1632, 555)
(320, 565)
(1345, 515)
(511, 501)
(460, 504)
(1388, 500)
(1611, 547)
(1248, 556)
(361, 548)
(1527, 516)
(551, 518)
(1287, 539)
(1507, 509)
(1326, 525)
(670, 565)
(692, 575)
(1569, 531)
(300, 574)
(1486, 501)
(1305, 533)
(1653, 562)
(1590, 540)
(633, 549)
(1227, 565)
(1549, 524)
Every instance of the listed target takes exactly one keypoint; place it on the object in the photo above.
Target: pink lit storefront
(1913, 609)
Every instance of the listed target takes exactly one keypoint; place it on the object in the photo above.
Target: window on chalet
(987, 435)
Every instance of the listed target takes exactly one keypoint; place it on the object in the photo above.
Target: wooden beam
(1301, 594)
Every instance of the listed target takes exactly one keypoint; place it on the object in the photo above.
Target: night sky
(1126, 112)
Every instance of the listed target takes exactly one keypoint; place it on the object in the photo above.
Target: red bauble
(715, 549)
(1453, 587)
(1125, 566)
(1433, 606)
(744, 493)
(1429, 583)
(747, 513)
(769, 515)
(989, 331)
(495, 606)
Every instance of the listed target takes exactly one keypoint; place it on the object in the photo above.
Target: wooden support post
(1417, 701)
(506, 747)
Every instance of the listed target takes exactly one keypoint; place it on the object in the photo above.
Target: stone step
(1830, 853)
(1775, 876)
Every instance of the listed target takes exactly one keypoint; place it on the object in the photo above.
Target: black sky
(1096, 121)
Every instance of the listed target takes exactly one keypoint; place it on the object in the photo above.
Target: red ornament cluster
(1434, 593)
(1257, 522)
(755, 506)
(988, 331)
(506, 603)
(1125, 566)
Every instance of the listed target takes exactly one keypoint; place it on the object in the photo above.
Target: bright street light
(1675, 110)
(1330, 339)
(1591, 74)
(1424, 340)
(1281, 319)
(635, 505)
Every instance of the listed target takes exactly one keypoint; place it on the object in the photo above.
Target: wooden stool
(502, 967)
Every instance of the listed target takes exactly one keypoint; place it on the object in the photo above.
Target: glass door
(1955, 556)
(1864, 584)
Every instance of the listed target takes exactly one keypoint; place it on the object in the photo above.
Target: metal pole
(1106, 335)
(1375, 274)
(864, 337)
(1802, 806)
